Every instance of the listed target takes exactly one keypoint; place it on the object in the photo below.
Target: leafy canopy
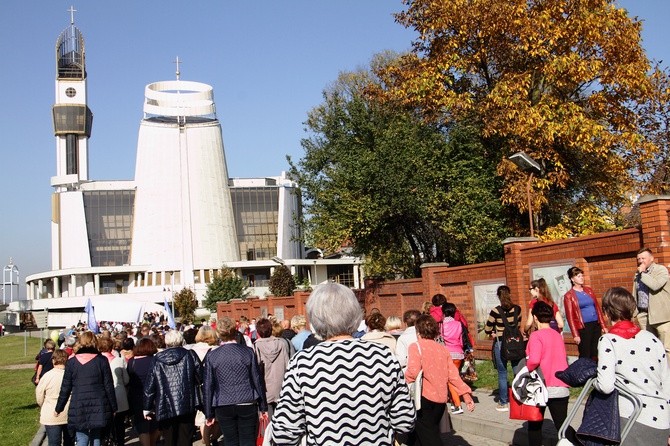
(400, 191)
(558, 79)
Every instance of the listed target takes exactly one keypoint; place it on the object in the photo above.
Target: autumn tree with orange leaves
(562, 80)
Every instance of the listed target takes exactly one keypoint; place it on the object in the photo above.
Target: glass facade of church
(109, 219)
(256, 219)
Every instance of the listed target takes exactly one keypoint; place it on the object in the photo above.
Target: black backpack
(513, 345)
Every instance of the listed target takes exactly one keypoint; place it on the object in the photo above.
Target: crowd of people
(627, 338)
(343, 379)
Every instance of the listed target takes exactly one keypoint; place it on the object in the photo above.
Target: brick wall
(607, 259)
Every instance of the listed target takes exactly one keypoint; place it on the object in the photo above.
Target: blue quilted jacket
(170, 387)
(232, 376)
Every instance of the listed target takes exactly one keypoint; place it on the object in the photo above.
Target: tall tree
(557, 79)
(655, 119)
(400, 191)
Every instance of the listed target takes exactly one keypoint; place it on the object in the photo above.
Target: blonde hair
(298, 321)
(206, 334)
(88, 339)
(393, 323)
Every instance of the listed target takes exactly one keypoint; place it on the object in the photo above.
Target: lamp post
(526, 163)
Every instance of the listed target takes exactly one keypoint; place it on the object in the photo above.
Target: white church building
(128, 245)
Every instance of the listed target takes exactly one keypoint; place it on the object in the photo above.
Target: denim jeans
(90, 437)
(239, 424)
(58, 434)
(501, 367)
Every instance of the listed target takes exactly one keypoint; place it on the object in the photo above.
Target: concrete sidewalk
(487, 422)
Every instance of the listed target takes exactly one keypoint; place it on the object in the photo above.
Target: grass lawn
(19, 414)
(488, 377)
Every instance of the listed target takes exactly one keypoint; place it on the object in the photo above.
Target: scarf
(624, 329)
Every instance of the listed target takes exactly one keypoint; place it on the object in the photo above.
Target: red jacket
(574, 314)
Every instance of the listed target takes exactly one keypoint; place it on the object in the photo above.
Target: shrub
(282, 282)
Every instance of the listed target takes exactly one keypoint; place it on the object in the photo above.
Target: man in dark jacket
(169, 394)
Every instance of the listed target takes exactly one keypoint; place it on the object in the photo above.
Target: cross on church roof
(72, 11)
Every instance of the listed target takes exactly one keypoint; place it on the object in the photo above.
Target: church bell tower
(72, 117)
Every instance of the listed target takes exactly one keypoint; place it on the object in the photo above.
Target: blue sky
(268, 62)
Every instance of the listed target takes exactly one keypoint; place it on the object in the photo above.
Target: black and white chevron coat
(349, 392)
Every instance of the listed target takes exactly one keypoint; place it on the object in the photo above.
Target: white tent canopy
(123, 310)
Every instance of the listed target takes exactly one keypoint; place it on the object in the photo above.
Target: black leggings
(558, 407)
(588, 343)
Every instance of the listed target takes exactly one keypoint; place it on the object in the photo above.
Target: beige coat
(381, 337)
(46, 394)
(657, 280)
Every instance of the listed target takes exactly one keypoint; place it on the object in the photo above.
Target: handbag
(263, 425)
(415, 389)
(468, 371)
(520, 411)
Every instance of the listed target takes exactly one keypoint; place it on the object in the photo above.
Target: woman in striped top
(494, 329)
(343, 391)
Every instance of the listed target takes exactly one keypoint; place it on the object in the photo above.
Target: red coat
(574, 314)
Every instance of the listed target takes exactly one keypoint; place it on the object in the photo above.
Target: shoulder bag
(416, 387)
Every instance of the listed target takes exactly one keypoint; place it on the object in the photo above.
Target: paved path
(488, 423)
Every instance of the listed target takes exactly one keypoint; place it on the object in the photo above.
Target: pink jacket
(546, 349)
(452, 333)
(438, 370)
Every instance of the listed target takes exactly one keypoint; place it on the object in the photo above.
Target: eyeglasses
(531, 289)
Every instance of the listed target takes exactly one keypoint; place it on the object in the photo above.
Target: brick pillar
(430, 285)
(655, 223)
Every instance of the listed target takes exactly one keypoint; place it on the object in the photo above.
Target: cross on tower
(177, 62)
(72, 11)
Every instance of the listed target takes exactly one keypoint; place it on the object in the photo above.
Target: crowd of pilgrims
(344, 380)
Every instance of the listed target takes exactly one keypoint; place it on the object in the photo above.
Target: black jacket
(88, 378)
(170, 387)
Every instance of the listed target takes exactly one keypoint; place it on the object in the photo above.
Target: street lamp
(526, 163)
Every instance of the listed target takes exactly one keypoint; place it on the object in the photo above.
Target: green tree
(185, 304)
(225, 287)
(282, 282)
(400, 191)
(560, 80)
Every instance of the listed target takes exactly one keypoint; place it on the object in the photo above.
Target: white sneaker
(456, 410)
(502, 407)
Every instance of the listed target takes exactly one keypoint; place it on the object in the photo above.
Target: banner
(90, 317)
(170, 316)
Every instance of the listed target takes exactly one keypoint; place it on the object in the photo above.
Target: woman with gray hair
(343, 390)
(169, 393)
